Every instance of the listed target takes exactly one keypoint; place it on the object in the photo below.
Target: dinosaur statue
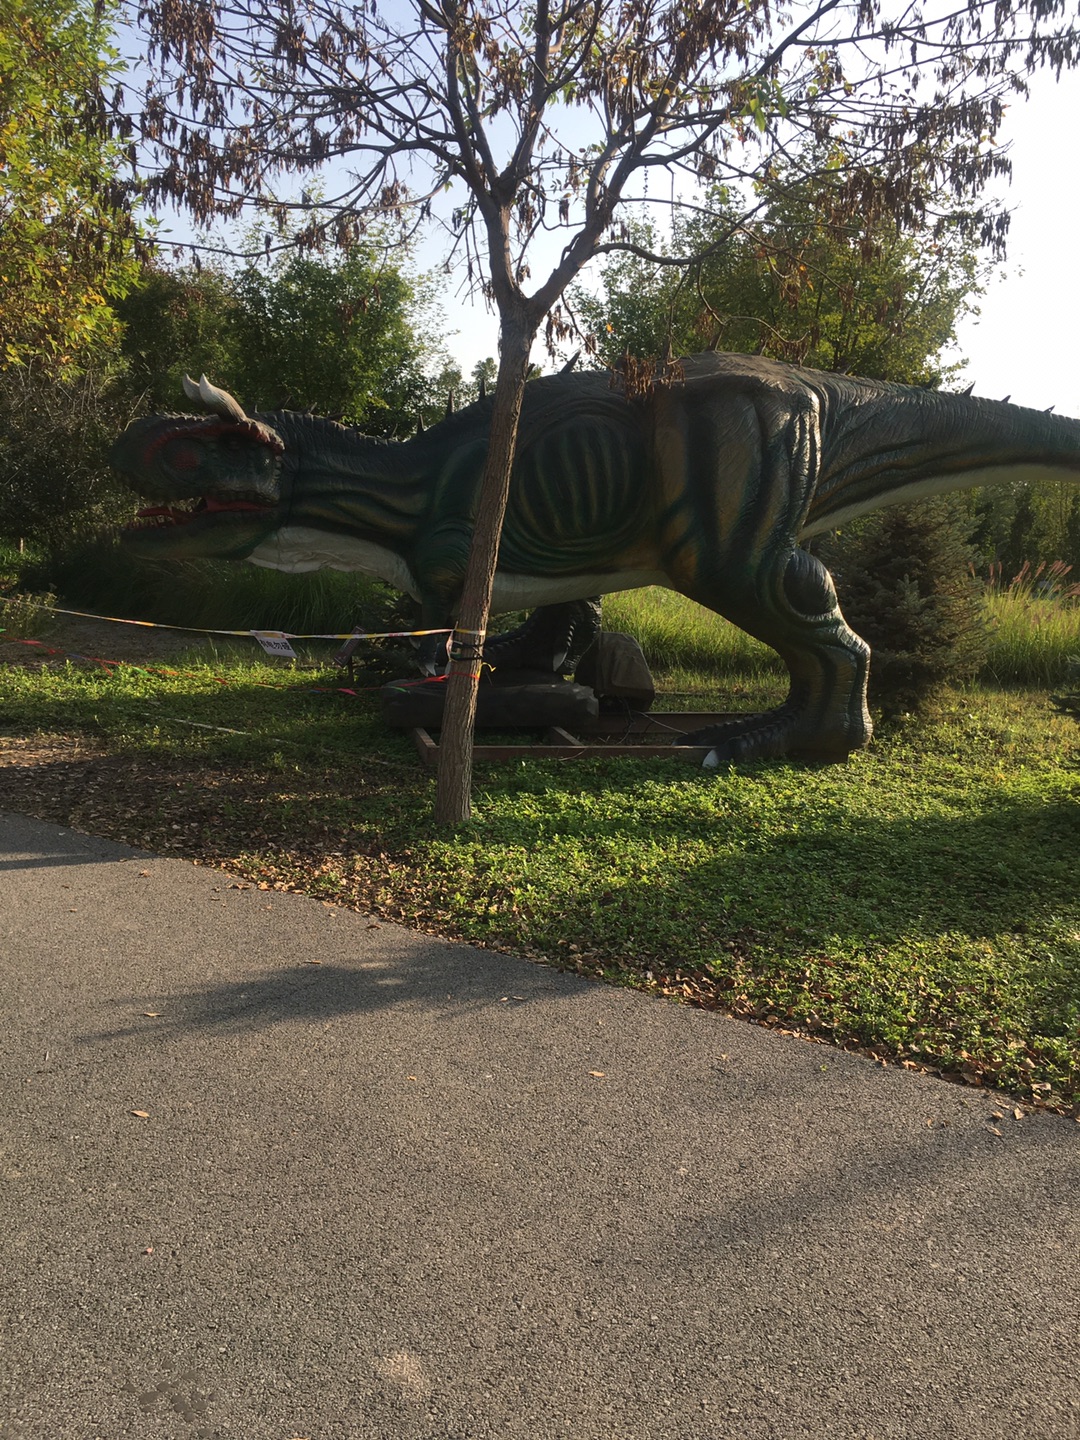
(706, 484)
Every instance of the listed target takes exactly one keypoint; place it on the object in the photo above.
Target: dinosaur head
(214, 480)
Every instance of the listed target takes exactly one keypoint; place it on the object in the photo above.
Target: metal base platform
(641, 736)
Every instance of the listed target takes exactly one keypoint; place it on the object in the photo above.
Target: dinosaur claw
(758, 737)
(772, 736)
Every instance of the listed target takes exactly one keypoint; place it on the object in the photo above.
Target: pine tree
(906, 586)
(1020, 546)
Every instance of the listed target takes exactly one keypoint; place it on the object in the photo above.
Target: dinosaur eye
(181, 456)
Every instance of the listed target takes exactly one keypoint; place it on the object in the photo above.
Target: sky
(1025, 342)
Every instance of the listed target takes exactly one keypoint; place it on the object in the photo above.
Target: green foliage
(800, 283)
(176, 321)
(1026, 525)
(1027, 632)
(101, 576)
(452, 381)
(54, 436)
(66, 232)
(906, 585)
(1069, 703)
(344, 336)
(1019, 543)
(1034, 626)
(676, 632)
(25, 616)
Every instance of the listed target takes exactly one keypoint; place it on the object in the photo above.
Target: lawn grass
(918, 902)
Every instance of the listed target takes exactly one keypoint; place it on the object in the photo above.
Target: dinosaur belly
(524, 592)
(298, 548)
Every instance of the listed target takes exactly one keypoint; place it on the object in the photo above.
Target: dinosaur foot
(777, 733)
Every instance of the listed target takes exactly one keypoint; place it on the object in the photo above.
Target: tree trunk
(453, 797)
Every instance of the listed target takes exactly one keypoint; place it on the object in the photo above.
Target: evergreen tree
(905, 584)
(1019, 545)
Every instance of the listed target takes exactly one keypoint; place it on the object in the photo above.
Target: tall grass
(1034, 625)
(676, 633)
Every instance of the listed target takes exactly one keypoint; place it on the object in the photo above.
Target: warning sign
(275, 642)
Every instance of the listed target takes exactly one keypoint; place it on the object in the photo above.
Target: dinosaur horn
(450, 404)
(220, 402)
(570, 363)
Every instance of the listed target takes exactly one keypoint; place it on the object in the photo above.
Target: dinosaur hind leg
(553, 638)
(824, 716)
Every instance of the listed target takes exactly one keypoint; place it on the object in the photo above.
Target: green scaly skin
(706, 484)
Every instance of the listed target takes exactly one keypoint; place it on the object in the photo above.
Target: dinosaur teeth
(167, 515)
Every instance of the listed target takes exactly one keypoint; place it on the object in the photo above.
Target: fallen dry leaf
(598, 1073)
(142, 1114)
(1018, 1114)
(151, 1014)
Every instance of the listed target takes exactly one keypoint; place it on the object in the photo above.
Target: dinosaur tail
(903, 444)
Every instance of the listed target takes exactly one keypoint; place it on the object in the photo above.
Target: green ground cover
(918, 901)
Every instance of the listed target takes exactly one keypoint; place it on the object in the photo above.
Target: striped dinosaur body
(706, 485)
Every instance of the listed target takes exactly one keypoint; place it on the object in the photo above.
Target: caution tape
(274, 642)
(155, 670)
(249, 634)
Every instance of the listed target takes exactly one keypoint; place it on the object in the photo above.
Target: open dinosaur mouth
(169, 515)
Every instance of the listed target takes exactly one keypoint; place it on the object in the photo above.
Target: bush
(55, 481)
(26, 616)
(905, 581)
(100, 575)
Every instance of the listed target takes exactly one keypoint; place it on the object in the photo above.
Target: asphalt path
(272, 1170)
